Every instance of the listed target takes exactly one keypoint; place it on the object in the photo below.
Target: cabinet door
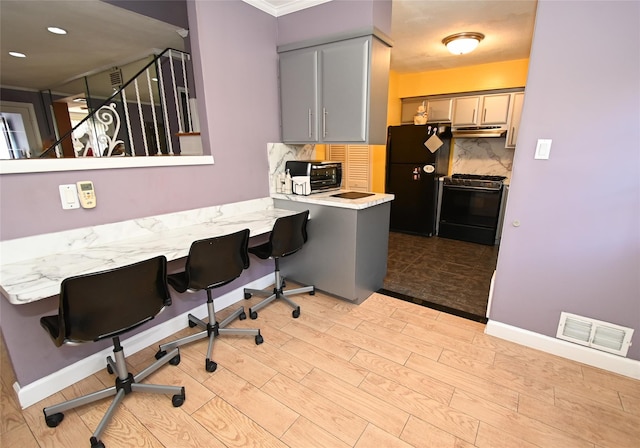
(465, 110)
(439, 110)
(514, 125)
(495, 109)
(298, 96)
(344, 87)
(410, 109)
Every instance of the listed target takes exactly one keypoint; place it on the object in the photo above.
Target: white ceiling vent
(593, 333)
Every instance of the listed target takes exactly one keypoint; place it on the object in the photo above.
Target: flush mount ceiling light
(56, 30)
(462, 43)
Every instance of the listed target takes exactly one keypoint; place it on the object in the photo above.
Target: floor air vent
(593, 333)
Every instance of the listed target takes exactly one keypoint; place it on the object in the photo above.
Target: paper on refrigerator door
(433, 143)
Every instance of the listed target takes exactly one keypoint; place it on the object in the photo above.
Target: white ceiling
(101, 35)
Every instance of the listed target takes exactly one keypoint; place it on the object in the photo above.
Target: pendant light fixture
(462, 43)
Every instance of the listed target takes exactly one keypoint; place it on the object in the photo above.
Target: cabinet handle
(324, 122)
(473, 117)
(513, 136)
(310, 122)
(484, 116)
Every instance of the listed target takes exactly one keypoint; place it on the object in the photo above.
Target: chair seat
(52, 326)
(262, 251)
(179, 281)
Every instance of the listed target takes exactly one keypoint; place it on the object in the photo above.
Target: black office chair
(105, 305)
(287, 237)
(212, 263)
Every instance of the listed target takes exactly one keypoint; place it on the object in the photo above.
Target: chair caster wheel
(109, 369)
(247, 295)
(210, 366)
(253, 315)
(54, 420)
(192, 324)
(160, 354)
(259, 339)
(177, 400)
(242, 316)
(95, 443)
(175, 360)
(296, 313)
(313, 292)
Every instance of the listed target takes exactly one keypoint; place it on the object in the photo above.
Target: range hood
(478, 131)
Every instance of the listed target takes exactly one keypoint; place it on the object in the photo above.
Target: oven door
(470, 213)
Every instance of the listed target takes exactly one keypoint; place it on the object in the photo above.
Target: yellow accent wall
(497, 75)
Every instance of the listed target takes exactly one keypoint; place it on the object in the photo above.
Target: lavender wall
(235, 53)
(334, 17)
(578, 246)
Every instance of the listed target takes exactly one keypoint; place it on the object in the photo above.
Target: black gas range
(471, 207)
(475, 180)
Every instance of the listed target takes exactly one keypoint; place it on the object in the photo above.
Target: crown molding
(278, 8)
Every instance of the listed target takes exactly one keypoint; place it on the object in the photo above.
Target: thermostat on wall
(86, 193)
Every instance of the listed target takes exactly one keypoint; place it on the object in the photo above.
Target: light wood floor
(386, 373)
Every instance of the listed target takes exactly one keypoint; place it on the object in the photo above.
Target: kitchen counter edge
(326, 198)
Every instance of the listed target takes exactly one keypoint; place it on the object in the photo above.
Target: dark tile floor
(453, 274)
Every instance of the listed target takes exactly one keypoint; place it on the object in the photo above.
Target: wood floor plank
(251, 401)
(458, 321)
(171, 426)
(496, 377)
(436, 338)
(452, 375)
(420, 433)
(321, 340)
(123, 430)
(18, 437)
(490, 437)
(339, 422)
(630, 403)
(10, 413)
(376, 411)
(628, 386)
(304, 433)
(433, 325)
(242, 364)
(280, 360)
(233, 428)
(374, 437)
(401, 340)
(326, 361)
(588, 419)
(514, 423)
(419, 405)
(326, 310)
(426, 385)
(380, 320)
(373, 344)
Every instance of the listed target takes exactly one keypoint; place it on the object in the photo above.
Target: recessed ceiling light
(17, 54)
(56, 30)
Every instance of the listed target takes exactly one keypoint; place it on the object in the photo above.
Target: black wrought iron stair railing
(146, 116)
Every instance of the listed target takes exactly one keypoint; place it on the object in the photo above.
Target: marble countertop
(326, 198)
(24, 280)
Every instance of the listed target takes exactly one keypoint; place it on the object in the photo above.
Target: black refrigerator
(412, 174)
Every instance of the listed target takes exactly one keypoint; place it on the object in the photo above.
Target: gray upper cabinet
(335, 92)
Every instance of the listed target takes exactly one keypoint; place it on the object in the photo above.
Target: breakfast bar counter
(346, 253)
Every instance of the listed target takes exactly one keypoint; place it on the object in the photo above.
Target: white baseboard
(596, 358)
(65, 377)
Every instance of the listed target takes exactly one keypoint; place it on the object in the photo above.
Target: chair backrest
(214, 262)
(289, 234)
(107, 303)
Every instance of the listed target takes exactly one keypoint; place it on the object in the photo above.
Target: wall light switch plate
(69, 196)
(543, 148)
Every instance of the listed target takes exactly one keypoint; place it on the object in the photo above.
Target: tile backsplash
(482, 156)
(278, 154)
